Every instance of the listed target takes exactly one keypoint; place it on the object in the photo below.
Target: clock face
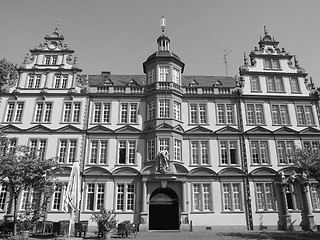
(52, 45)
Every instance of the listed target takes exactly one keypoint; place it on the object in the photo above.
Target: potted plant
(106, 220)
(27, 220)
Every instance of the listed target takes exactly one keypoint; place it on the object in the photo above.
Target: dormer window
(271, 63)
(176, 76)
(151, 75)
(164, 73)
(51, 60)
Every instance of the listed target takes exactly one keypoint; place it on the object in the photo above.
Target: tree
(8, 72)
(308, 161)
(22, 167)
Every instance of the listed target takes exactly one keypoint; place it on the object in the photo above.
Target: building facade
(167, 150)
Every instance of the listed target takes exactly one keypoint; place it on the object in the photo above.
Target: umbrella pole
(70, 222)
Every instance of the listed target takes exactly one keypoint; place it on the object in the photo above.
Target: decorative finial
(245, 59)
(58, 25)
(163, 23)
(265, 31)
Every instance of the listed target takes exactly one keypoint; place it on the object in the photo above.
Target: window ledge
(272, 69)
(124, 212)
(229, 165)
(127, 123)
(200, 165)
(296, 92)
(276, 92)
(306, 125)
(226, 124)
(40, 122)
(196, 124)
(272, 211)
(98, 123)
(232, 212)
(279, 125)
(257, 91)
(11, 122)
(260, 164)
(202, 212)
(127, 165)
(70, 122)
(294, 211)
(96, 164)
(256, 124)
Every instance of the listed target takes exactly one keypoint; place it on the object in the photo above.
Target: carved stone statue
(164, 160)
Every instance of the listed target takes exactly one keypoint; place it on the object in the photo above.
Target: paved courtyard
(213, 235)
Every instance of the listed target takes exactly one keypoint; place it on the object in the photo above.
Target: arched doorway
(164, 210)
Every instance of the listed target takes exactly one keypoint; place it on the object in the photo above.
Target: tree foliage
(8, 72)
(308, 161)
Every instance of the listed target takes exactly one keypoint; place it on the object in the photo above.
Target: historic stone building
(166, 150)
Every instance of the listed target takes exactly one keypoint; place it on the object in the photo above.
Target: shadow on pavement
(273, 235)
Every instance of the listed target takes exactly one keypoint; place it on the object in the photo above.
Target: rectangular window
(14, 112)
(293, 196)
(101, 113)
(95, 196)
(39, 145)
(315, 198)
(163, 74)
(294, 83)
(232, 197)
(280, 114)
(200, 152)
(177, 110)
(150, 150)
(51, 60)
(164, 144)
(127, 151)
(152, 75)
(67, 150)
(271, 63)
(255, 84)
(128, 113)
(98, 152)
(177, 150)
(4, 194)
(285, 150)
(176, 76)
(311, 145)
(228, 152)
(60, 81)
(43, 112)
(57, 198)
(265, 200)
(305, 115)
(164, 108)
(151, 108)
(125, 197)
(275, 84)
(71, 112)
(202, 199)
(198, 113)
(259, 152)
(34, 81)
(255, 114)
(225, 114)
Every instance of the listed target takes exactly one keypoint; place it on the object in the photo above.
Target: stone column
(144, 196)
(311, 226)
(287, 223)
(184, 197)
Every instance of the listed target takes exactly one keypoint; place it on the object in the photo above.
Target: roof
(123, 80)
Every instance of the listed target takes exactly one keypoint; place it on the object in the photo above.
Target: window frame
(274, 64)
(231, 193)
(15, 112)
(286, 151)
(197, 113)
(130, 157)
(307, 118)
(255, 84)
(282, 117)
(70, 151)
(100, 151)
(255, 115)
(294, 85)
(228, 153)
(104, 115)
(39, 145)
(223, 114)
(198, 152)
(72, 112)
(259, 152)
(125, 198)
(94, 199)
(43, 115)
(126, 115)
(275, 84)
(205, 204)
(265, 200)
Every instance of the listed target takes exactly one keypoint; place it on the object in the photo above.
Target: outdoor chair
(39, 228)
(122, 230)
(132, 228)
(81, 227)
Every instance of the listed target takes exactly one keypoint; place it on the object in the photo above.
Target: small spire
(245, 59)
(265, 31)
(58, 25)
(163, 23)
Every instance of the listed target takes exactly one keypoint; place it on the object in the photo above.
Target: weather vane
(163, 23)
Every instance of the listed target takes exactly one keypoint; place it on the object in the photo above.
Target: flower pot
(107, 235)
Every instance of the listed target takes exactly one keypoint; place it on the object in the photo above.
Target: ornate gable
(99, 129)
(259, 130)
(10, 129)
(69, 129)
(310, 131)
(178, 128)
(285, 130)
(127, 129)
(39, 129)
(227, 130)
(199, 130)
(164, 126)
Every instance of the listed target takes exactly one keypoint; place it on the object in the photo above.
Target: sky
(119, 35)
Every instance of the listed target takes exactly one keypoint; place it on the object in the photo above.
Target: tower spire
(265, 30)
(163, 24)
(58, 25)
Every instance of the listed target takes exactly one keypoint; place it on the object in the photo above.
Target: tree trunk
(15, 198)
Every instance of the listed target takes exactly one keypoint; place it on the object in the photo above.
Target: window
(293, 196)
(128, 113)
(304, 115)
(176, 76)
(71, 112)
(14, 112)
(30, 198)
(34, 81)
(225, 113)
(164, 108)
(164, 144)
(4, 194)
(285, 150)
(255, 84)
(163, 74)
(39, 145)
(280, 114)
(259, 152)
(199, 152)
(57, 198)
(101, 113)
(228, 152)
(315, 198)
(294, 83)
(98, 152)
(255, 114)
(311, 145)
(232, 197)
(177, 150)
(271, 63)
(151, 150)
(51, 60)
(198, 113)
(43, 112)
(95, 196)
(152, 75)
(265, 200)
(151, 110)
(67, 150)
(12, 145)
(125, 197)
(275, 84)
(202, 199)
(177, 110)
(127, 151)
(61, 81)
